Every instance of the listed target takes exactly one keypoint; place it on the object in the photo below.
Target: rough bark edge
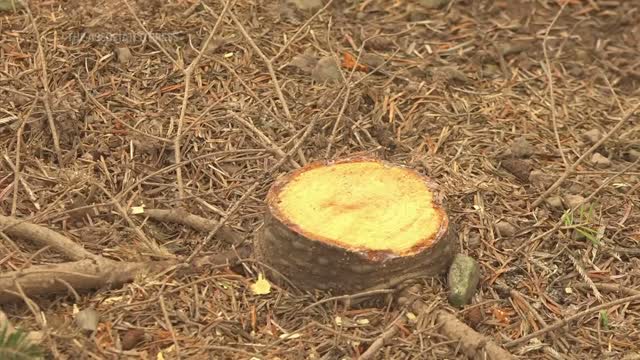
(310, 265)
(288, 251)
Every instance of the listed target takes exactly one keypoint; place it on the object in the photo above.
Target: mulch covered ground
(495, 100)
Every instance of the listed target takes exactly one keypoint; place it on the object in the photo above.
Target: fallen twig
(560, 323)
(575, 208)
(547, 69)
(475, 345)
(81, 275)
(151, 244)
(609, 287)
(181, 216)
(570, 170)
(267, 62)
(45, 85)
(253, 187)
(89, 272)
(272, 73)
(384, 339)
(44, 237)
(188, 74)
(270, 145)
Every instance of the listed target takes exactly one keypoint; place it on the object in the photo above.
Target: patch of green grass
(585, 215)
(16, 346)
(604, 319)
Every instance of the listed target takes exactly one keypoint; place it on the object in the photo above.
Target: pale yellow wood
(362, 205)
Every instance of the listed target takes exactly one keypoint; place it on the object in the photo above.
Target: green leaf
(16, 346)
(590, 234)
(604, 319)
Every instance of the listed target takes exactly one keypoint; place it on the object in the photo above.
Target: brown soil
(453, 89)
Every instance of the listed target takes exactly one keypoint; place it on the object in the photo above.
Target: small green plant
(16, 346)
(604, 319)
(585, 215)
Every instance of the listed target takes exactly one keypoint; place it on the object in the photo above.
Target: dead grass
(80, 129)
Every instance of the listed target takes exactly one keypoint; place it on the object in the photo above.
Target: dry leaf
(349, 62)
(87, 319)
(412, 317)
(137, 210)
(501, 315)
(290, 336)
(304, 62)
(160, 355)
(262, 286)
(131, 338)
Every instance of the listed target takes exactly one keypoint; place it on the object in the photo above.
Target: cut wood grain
(354, 224)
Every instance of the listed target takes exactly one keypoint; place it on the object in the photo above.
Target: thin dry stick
(250, 191)
(169, 326)
(474, 344)
(272, 72)
(264, 138)
(151, 244)
(560, 222)
(384, 338)
(295, 35)
(349, 297)
(570, 170)
(44, 237)
(334, 131)
(181, 216)
(45, 85)
(188, 74)
(224, 219)
(17, 180)
(547, 69)
(609, 287)
(560, 323)
(613, 92)
(153, 38)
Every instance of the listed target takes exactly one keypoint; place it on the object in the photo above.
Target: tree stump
(354, 224)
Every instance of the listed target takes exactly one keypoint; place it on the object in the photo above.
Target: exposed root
(80, 275)
(181, 216)
(44, 237)
(90, 271)
(473, 344)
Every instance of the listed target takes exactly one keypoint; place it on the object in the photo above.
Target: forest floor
(494, 100)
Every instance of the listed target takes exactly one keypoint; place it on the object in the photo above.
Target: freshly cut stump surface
(354, 224)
